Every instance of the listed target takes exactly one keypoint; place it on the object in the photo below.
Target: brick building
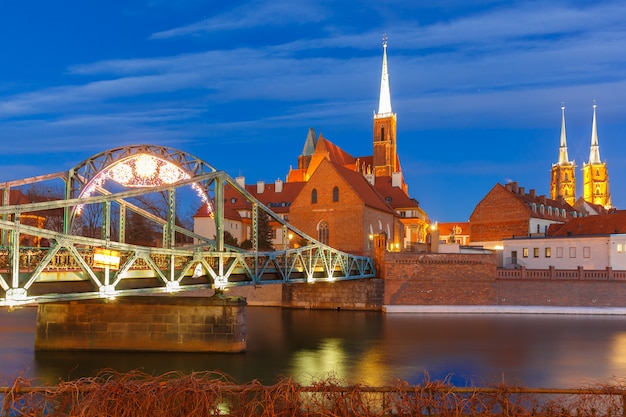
(507, 211)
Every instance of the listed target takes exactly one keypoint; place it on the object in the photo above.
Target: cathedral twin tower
(595, 173)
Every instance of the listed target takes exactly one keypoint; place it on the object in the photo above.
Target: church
(595, 173)
(343, 201)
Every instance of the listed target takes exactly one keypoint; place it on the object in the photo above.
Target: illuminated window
(525, 252)
(548, 252)
(323, 232)
(314, 196)
(535, 252)
(619, 248)
(586, 252)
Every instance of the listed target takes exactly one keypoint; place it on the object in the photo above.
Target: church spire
(384, 101)
(594, 151)
(563, 158)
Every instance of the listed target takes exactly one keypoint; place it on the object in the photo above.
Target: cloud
(251, 15)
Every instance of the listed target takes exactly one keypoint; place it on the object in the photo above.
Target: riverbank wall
(434, 282)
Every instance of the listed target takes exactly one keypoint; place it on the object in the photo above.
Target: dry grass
(113, 394)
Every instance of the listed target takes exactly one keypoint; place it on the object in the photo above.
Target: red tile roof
(394, 196)
(602, 224)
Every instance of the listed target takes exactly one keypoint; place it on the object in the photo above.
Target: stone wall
(439, 279)
(158, 323)
(363, 294)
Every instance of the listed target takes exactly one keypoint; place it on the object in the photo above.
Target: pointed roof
(309, 143)
(594, 151)
(384, 101)
(563, 158)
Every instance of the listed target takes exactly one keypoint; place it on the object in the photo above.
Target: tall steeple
(596, 175)
(385, 159)
(563, 158)
(384, 101)
(594, 151)
(563, 181)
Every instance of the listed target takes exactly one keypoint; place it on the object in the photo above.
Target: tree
(265, 233)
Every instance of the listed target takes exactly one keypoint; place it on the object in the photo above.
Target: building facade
(507, 211)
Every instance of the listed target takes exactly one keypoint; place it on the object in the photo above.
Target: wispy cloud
(251, 15)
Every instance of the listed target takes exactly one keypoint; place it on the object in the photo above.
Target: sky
(477, 86)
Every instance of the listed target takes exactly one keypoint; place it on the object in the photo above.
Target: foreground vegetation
(205, 394)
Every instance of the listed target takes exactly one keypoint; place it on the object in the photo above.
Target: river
(556, 351)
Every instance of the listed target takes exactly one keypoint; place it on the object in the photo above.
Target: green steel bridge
(48, 251)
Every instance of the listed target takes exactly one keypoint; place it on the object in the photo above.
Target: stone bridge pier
(144, 323)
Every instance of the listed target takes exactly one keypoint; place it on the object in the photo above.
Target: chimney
(532, 193)
(278, 185)
(512, 186)
(521, 191)
(260, 187)
(241, 181)
(396, 179)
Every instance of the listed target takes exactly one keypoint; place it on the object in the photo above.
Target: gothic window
(382, 132)
(314, 196)
(322, 232)
(597, 172)
(566, 177)
(335, 193)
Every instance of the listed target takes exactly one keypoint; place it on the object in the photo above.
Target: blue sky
(477, 86)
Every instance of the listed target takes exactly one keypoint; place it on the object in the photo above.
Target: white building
(593, 242)
(567, 252)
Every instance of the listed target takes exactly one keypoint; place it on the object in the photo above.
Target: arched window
(382, 132)
(566, 177)
(314, 196)
(323, 232)
(336, 193)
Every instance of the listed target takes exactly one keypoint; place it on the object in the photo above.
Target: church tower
(385, 159)
(563, 181)
(595, 172)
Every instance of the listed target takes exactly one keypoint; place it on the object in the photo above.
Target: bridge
(49, 251)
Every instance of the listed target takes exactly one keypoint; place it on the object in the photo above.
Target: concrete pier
(150, 323)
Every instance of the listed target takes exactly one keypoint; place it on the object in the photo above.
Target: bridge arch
(135, 166)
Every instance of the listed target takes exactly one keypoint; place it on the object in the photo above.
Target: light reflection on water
(364, 347)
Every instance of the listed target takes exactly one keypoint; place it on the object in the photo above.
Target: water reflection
(365, 347)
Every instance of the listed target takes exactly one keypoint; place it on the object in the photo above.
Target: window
(535, 252)
(382, 132)
(314, 196)
(548, 252)
(572, 252)
(586, 252)
(323, 232)
(525, 252)
(619, 248)
(538, 228)
(336, 193)
(559, 252)
(233, 200)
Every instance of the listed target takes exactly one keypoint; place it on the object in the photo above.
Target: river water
(555, 351)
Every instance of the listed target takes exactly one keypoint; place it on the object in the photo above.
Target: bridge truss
(44, 261)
